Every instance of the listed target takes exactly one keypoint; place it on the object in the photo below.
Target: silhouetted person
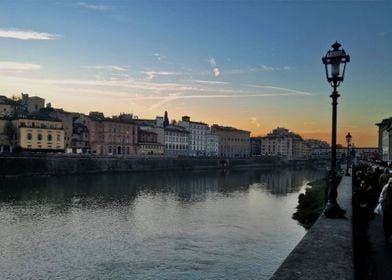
(386, 203)
(384, 177)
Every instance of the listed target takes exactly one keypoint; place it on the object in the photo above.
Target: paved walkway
(380, 253)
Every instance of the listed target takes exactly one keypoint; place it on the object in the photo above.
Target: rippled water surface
(171, 225)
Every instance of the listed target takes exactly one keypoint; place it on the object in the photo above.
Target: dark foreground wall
(77, 164)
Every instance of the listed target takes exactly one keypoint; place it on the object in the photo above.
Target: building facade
(176, 140)
(80, 138)
(38, 133)
(212, 145)
(197, 136)
(385, 139)
(255, 146)
(111, 136)
(148, 143)
(233, 142)
(285, 144)
(7, 107)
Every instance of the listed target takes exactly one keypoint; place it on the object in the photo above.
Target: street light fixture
(335, 66)
(348, 141)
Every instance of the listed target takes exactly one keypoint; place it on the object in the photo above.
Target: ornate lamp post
(335, 65)
(348, 141)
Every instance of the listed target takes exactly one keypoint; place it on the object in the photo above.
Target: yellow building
(38, 133)
(150, 149)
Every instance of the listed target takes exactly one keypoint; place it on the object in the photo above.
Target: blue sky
(254, 65)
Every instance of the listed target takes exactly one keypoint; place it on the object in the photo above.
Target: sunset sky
(254, 65)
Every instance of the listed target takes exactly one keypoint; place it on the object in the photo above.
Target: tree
(165, 120)
(9, 131)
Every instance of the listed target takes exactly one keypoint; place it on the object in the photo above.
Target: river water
(166, 225)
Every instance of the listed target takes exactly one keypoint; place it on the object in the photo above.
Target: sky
(253, 65)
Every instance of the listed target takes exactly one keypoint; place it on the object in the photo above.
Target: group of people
(372, 194)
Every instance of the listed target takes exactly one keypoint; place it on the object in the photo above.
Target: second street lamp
(348, 141)
(335, 66)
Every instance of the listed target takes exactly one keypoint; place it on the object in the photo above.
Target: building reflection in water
(124, 188)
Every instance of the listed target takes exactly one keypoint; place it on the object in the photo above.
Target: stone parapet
(326, 251)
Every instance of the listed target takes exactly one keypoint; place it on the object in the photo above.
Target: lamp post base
(333, 210)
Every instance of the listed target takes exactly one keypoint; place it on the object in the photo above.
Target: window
(49, 137)
(39, 136)
(29, 136)
(59, 137)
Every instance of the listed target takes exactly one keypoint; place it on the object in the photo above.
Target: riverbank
(326, 251)
(61, 164)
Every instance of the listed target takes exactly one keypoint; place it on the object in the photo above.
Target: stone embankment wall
(326, 251)
(79, 164)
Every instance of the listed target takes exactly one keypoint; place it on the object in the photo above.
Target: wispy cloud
(212, 61)
(254, 121)
(107, 67)
(268, 68)
(215, 69)
(156, 93)
(14, 33)
(260, 68)
(282, 89)
(159, 56)
(17, 67)
(172, 97)
(209, 82)
(94, 6)
(152, 74)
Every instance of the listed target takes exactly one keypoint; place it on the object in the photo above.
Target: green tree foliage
(311, 203)
(9, 130)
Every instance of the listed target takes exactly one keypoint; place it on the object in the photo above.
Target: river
(163, 225)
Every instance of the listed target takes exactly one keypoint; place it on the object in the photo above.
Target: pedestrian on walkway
(384, 177)
(386, 203)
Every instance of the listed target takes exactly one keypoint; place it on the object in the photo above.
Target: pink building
(112, 136)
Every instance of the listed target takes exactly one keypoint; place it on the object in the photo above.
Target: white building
(385, 139)
(285, 144)
(176, 140)
(212, 145)
(197, 136)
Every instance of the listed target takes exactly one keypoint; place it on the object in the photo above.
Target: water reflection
(163, 225)
(123, 188)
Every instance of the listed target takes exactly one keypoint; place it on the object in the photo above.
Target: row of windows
(176, 134)
(49, 137)
(40, 125)
(149, 147)
(49, 147)
(238, 139)
(118, 150)
(176, 139)
(176, 147)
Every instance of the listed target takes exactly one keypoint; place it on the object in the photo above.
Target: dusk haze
(196, 139)
(255, 65)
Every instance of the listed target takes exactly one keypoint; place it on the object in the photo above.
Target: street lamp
(348, 141)
(335, 66)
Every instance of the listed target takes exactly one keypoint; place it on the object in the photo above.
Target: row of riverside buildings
(28, 124)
